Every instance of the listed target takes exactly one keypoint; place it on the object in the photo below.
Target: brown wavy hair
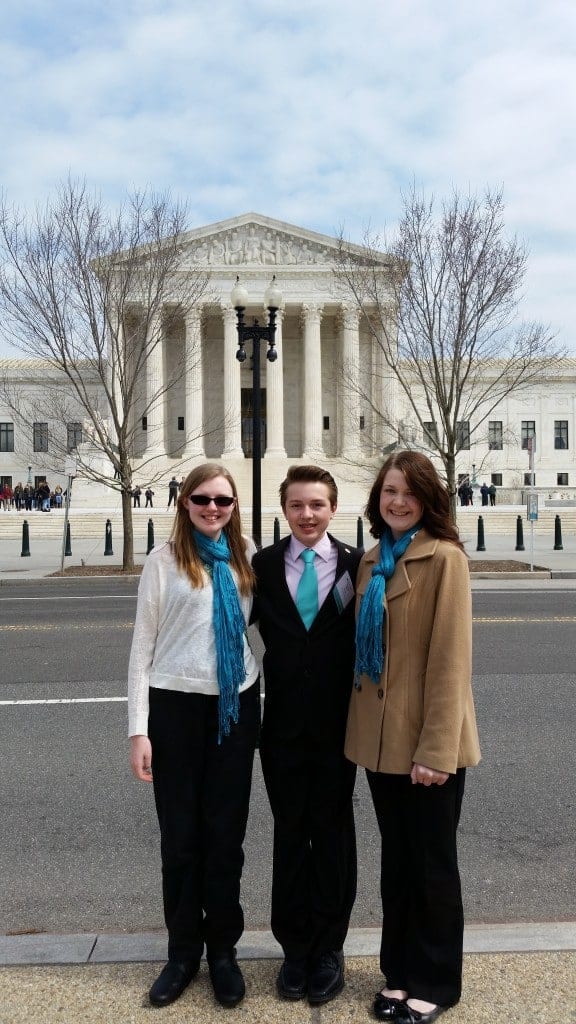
(426, 486)
(182, 536)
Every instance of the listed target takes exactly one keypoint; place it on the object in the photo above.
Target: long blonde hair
(182, 536)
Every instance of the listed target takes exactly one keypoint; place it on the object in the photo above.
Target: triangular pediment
(253, 240)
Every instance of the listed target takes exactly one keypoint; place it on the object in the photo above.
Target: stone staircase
(91, 523)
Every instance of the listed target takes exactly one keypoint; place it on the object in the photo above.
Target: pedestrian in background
(194, 719)
(412, 726)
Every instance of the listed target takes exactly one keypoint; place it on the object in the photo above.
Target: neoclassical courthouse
(317, 397)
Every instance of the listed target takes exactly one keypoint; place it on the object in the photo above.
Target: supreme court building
(321, 397)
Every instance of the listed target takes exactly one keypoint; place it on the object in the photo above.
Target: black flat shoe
(292, 980)
(326, 977)
(407, 1015)
(387, 1007)
(226, 978)
(172, 980)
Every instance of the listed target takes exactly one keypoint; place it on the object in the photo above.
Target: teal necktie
(307, 593)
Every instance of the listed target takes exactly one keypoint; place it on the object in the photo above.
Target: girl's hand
(141, 758)
(427, 776)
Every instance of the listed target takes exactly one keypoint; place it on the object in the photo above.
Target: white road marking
(69, 700)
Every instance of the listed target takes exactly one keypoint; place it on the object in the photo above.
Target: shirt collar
(322, 548)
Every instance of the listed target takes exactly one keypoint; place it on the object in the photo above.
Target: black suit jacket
(308, 674)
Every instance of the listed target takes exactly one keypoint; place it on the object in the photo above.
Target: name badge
(343, 591)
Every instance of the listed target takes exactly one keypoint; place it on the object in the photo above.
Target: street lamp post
(255, 332)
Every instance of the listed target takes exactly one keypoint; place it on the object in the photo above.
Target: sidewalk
(512, 973)
(46, 555)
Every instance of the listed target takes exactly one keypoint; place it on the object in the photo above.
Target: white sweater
(173, 646)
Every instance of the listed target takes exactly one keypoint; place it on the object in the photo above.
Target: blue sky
(317, 112)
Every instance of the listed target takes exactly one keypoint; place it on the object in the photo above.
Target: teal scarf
(229, 628)
(369, 628)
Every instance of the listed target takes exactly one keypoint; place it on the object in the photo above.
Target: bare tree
(92, 293)
(443, 314)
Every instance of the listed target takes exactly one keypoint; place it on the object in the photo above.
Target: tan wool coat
(422, 710)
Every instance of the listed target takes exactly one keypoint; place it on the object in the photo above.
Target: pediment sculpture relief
(254, 245)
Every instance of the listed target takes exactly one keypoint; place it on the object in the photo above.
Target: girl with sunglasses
(194, 718)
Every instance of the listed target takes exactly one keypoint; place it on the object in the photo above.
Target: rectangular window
(463, 435)
(528, 480)
(562, 479)
(326, 422)
(362, 423)
(560, 433)
(40, 437)
(74, 435)
(144, 423)
(496, 479)
(180, 423)
(430, 434)
(495, 435)
(528, 430)
(6, 437)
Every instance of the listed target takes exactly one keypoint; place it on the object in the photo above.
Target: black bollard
(359, 533)
(108, 539)
(480, 546)
(519, 534)
(276, 529)
(558, 546)
(150, 544)
(68, 547)
(25, 553)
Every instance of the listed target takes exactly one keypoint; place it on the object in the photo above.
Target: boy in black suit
(305, 608)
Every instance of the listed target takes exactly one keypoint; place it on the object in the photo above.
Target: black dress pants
(314, 862)
(202, 792)
(423, 918)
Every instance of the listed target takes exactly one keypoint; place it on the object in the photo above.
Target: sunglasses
(221, 500)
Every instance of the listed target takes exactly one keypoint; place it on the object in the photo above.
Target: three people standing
(194, 718)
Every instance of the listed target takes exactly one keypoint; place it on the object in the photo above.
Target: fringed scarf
(229, 627)
(369, 628)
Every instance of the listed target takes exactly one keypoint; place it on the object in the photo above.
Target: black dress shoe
(292, 980)
(326, 977)
(407, 1015)
(226, 978)
(172, 980)
(386, 1007)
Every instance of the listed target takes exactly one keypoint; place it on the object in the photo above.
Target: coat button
(380, 693)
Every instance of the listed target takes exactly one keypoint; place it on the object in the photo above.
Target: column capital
(349, 317)
(312, 312)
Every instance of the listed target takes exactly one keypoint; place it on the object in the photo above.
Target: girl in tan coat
(412, 726)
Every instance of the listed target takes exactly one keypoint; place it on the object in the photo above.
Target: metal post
(256, 443)
(359, 533)
(150, 543)
(519, 534)
(558, 546)
(25, 553)
(480, 546)
(68, 550)
(108, 539)
(66, 531)
(276, 529)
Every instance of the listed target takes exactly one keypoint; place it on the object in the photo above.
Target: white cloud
(311, 111)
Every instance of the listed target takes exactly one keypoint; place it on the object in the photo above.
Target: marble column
(194, 386)
(350, 387)
(232, 386)
(155, 437)
(312, 318)
(275, 398)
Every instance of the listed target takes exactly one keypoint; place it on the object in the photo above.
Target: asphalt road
(79, 848)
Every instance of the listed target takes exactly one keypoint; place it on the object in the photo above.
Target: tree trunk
(450, 464)
(128, 532)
